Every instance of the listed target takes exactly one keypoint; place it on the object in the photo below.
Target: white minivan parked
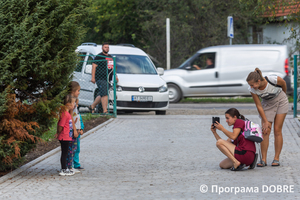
(140, 86)
(222, 70)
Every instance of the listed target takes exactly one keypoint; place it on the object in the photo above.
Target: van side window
(203, 61)
(80, 62)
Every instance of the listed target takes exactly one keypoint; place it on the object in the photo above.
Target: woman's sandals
(261, 164)
(276, 162)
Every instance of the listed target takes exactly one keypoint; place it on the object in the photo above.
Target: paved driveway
(159, 157)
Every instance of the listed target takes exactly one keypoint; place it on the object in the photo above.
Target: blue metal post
(295, 85)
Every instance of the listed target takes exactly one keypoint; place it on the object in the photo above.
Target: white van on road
(222, 70)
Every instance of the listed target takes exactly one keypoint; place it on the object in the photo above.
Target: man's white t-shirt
(270, 92)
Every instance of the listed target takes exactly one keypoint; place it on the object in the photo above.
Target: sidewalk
(160, 157)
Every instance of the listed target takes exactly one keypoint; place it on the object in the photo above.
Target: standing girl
(65, 133)
(239, 150)
(74, 90)
(272, 109)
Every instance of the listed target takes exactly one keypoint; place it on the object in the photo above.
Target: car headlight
(119, 89)
(163, 88)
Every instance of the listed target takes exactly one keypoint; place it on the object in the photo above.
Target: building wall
(278, 33)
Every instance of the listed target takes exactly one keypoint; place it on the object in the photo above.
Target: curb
(50, 153)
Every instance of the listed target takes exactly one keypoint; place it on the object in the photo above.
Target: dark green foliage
(194, 24)
(3, 100)
(114, 21)
(37, 44)
(37, 58)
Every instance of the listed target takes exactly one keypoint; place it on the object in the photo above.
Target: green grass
(49, 135)
(89, 116)
(223, 100)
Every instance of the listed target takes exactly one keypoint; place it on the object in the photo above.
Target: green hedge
(37, 57)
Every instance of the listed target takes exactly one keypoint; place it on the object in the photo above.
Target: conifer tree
(37, 58)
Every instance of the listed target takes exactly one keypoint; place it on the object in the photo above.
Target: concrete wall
(273, 33)
(277, 33)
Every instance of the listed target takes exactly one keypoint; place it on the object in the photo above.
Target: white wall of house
(278, 33)
(274, 33)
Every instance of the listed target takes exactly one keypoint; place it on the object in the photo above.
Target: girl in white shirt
(272, 110)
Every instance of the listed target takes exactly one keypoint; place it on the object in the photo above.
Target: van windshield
(183, 65)
(133, 64)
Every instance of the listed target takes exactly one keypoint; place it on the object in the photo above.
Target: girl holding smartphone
(239, 151)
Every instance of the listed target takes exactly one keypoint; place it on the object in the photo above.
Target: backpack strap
(271, 82)
(241, 132)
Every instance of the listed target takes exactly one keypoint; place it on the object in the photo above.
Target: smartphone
(215, 119)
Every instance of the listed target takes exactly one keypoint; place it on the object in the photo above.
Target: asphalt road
(206, 109)
(158, 157)
(203, 109)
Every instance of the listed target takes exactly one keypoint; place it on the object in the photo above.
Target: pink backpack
(252, 132)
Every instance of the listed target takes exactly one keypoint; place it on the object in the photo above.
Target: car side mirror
(88, 69)
(160, 71)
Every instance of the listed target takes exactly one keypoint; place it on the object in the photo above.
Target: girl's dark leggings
(64, 153)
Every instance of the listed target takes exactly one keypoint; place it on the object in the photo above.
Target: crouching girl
(239, 150)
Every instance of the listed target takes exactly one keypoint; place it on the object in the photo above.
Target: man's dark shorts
(102, 86)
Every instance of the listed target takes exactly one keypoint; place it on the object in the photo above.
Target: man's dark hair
(105, 43)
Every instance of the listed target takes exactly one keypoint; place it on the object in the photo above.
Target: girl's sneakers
(79, 168)
(75, 170)
(66, 172)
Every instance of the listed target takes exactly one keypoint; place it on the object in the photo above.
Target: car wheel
(174, 93)
(160, 112)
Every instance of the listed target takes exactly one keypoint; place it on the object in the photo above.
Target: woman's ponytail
(255, 76)
(242, 117)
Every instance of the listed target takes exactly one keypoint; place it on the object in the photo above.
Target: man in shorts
(103, 64)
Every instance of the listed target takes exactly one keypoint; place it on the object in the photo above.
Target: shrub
(37, 58)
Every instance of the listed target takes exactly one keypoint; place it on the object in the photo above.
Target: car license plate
(141, 98)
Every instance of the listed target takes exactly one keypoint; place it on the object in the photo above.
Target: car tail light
(286, 66)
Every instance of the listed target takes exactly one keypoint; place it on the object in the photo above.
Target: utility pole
(168, 43)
